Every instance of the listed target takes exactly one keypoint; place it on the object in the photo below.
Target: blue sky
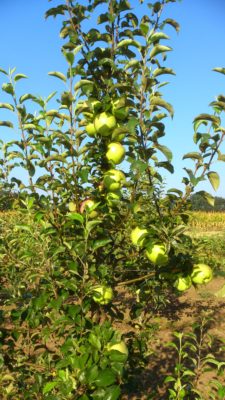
(32, 44)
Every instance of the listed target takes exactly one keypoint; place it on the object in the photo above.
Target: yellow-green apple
(104, 123)
(72, 206)
(113, 180)
(115, 152)
(87, 205)
(156, 253)
(121, 347)
(201, 273)
(138, 236)
(90, 129)
(119, 109)
(102, 294)
(183, 283)
(113, 198)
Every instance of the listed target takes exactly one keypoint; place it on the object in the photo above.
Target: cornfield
(207, 222)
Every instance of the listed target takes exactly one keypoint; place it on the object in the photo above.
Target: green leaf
(17, 77)
(100, 243)
(131, 64)
(7, 124)
(83, 82)
(7, 106)
(53, 12)
(173, 23)
(193, 155)
(208, 197)
(94, 341)
(159, 102)
(106, 378)
(159, 49)
(214, 179)
(157, 36)
(3, 71)
(30, 126)
(58, 75)
(8, 88)
(49, 386)
(76, 217)
(138, 165)
(50, 96)
(162, 71)
(69, 56)
(55, 157)
(165, 150)
(25, 97)
(220, 70)
(129, 42)
(221, 157)
(169, 379)
(167, 165)
(204, 119)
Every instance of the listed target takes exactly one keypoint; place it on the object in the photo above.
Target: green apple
(113, 180)
(138, 236)
(201, 273)
(182, 283)
(87, 205)
(121, 347)
(156, 253)
(90, 129)
(72, 206)
(119, 109)
(104, 123)
(115, 153)
(113, 198)
(102, 294)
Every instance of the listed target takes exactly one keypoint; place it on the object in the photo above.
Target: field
(207, 223)
(173, 337)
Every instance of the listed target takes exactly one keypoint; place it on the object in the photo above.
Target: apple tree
(93, 218)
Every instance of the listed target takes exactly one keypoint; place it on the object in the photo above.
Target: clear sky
(32, 44)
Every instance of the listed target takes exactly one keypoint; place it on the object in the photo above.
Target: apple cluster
(201, 274)
(106, 124)
(156, 253)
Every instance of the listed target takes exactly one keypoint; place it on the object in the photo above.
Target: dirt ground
(146, 382)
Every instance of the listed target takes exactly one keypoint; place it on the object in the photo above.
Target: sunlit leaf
(159, 102)
(173, 23)
(159, 49)
(7, 106)
(58, 75)
(17, 77)
(214, 179)
(162, 71)
(193, 155)
(165, 150)
(208, 197)
(220, 70)
(7, 124)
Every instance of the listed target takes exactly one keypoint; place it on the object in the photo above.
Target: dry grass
(209, 223)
